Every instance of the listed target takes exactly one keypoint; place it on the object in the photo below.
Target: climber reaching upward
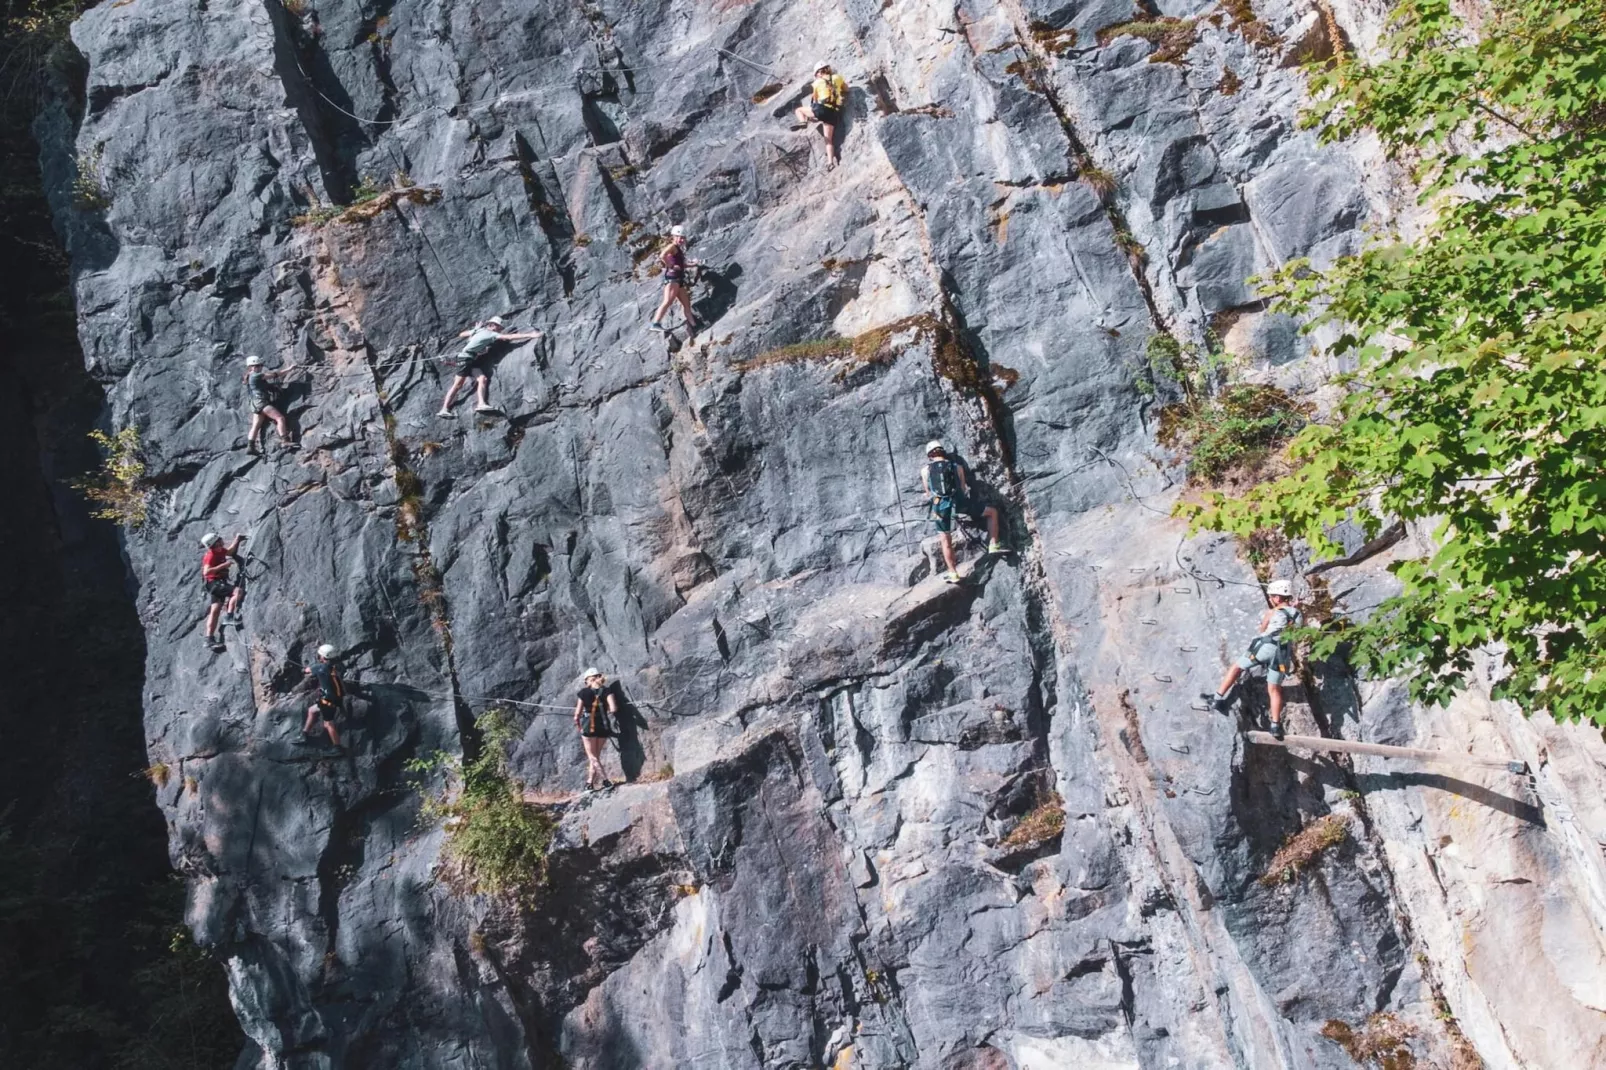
(947, 485)
(1267, 648)
(595, 709)
(827, 97)
(674, 262)
(223, 589)
(331, 696)
(472, 363)
(260, 390)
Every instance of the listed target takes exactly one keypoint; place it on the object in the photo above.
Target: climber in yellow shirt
(825, 106)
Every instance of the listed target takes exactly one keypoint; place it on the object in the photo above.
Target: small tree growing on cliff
(118, 490)
(1479, 406)
(496, 842)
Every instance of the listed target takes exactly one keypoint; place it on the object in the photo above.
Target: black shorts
(825, 113)
(331, 709)
(469, 367)
(218, 591)
(947, 512)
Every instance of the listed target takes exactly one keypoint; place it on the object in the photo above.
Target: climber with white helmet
(223, 590)
(260, 389)
(674, 264)
(827, 97)
(596, 708)
(947, 486)
(472, 363)
(1270, 649)
(331, 696)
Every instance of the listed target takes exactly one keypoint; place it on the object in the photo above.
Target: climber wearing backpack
(331, 696)
(223, 591)
(1268, 648)
(595, 708)
(674, 263)
(827, 98)
(472, 363)
(260, 389)
(947, 485)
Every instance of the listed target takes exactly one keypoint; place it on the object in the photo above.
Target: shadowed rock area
(817, 862)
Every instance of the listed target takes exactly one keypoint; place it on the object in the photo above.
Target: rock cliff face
(830, 747)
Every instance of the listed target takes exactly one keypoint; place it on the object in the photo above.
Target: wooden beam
(1383, 750)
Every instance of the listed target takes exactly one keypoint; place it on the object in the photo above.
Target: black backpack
(943, 478)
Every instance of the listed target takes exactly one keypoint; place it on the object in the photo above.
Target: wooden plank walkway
(1383, 750)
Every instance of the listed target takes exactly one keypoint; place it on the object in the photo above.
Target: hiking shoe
(448, 413)
(304, 740)
(951, 577)
(234, 619)
(484, 408)
(1216, 702)
(1277, 730)
(995, 547)
(659, 327)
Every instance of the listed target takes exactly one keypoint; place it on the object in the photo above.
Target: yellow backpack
(831, 91)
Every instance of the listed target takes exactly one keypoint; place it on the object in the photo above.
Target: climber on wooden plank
(472, 363)
(828, 96)
(947, 485)
(223, 589)
(261, 388)
(1268, 648)
(331, 696)
(596, 708)
(674, 263)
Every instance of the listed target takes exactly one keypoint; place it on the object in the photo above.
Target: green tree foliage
(496, 843)
(1479, 404)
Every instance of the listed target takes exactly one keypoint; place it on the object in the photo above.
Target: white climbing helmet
(1280, 587)
(494, 321)
(821, 66)
(677, 231)
(935, 446)
(253, 361)
(326, 651)
(592, 671)
(211, 539)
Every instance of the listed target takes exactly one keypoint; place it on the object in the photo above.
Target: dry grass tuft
(1174, 37)
(1046, 821)
(1381, 1042)
(766, 92)
(1054, 40)
(871, 347)
(1304, 848)
(1098, 180)
(1244, 20)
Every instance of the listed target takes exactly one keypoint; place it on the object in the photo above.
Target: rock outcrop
(821, 860)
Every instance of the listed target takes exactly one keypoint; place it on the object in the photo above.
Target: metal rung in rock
(1383, 750)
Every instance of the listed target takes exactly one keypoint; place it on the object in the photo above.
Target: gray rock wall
(830, 746)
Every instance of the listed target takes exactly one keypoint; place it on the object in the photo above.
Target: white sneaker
(952, 577)
(448, 413)
(484, 408)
